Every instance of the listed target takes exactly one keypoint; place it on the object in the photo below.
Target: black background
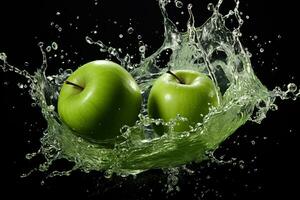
(271, 166)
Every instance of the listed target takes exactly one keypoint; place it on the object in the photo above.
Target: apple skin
(191, 100)
(109, 100)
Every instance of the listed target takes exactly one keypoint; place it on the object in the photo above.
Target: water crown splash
(212, 49)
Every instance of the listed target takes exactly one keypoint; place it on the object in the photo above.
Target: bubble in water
(57, 13)
(261, 50)
(121, 36)
(130, 30)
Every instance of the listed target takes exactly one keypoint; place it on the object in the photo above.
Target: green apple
(187, 93)
(98, 99)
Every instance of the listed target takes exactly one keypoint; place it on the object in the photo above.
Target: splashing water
(212, 49)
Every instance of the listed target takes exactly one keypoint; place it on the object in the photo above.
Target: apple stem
(78, 86)
(178, 79)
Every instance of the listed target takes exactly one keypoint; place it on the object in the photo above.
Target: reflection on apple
(187, 93)
(98, 99)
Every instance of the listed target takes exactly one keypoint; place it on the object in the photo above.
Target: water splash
(212, 49)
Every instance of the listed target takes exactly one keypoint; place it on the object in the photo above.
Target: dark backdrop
(268, 152)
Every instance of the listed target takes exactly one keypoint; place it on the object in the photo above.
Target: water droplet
(108, 174)
(57, 13)
(112, 51)
(178, 4)
(127, 61)
(241, 164)
(141, 43)
(292, 87)
(130, 30)
(142, 49)
(20, 86)
(274, 107)
(48, 48)
(210, 7)
(247, 17)
(89, 40)
(41, 44)
(3, 56)
(121, 36)
(54, 46)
